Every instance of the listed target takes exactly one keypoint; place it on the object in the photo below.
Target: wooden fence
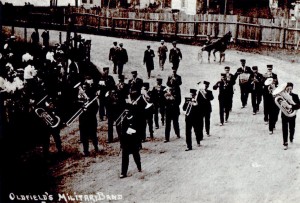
(193, 28)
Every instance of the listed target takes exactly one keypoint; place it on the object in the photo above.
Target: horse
(217, 45)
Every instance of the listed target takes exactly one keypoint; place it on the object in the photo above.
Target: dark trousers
(207, 122)
(288, 124)
(230, 101)
(56, 136)
(125, 160)
(161, 110)
(171, 117)
(120, 68)
(224, 106)
(86, 133)
(162, 63)
(102, 108)
(244, 94)
(175, 65)
(256, 97)
(273, 116)
(198, 130)
(115, 67)
(110, 126)
(149, 121)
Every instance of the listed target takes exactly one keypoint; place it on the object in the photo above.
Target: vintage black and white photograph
(159, 101)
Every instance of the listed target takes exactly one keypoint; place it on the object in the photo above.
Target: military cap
(243, 60)
(162, 40)
(254, 68)
(206, 82)
(134, 72)
(121, 44)
(105, 68)
(121, 77)
(193, 91)
(115, 43)
(270, 66)
(223, 74)
(159, 79)
(146, 85)
(174, 42)
(148, 46)
(289, 84)
(227, 68)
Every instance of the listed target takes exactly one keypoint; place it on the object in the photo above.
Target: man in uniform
(289, 123)
(172, 102)
(256, 80)
(244, 74)
(158, 102)
(162, 54)
(135, 86)
(122, 58)
(191, 106)
(130, 142)
(113, 56)
(106, 84)
(149, 109)
(206, 106)
(148, 60)
(231, 81)
(175, 56)
(224, 98)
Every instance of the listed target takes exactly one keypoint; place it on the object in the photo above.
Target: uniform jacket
(174, 81)
(122, 56)
(148, 59)
(175, 55)
(224, 90)
(241, 70)
(162, 52)
(113, 54)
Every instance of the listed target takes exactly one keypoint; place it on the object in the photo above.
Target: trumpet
(121, 118)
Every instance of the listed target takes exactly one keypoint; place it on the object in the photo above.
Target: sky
(39, 2)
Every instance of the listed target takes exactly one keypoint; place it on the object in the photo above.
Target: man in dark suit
(130, 142)
(158, 102)
(162, 54)
(289, 123)
(113, 56)
(256, 81)
(172, 102)
(148, 60)
(106, 84)
(192, 108)
(271, 111)
(244, 73)
(206, 106)
(231, 81)
(174, 80)
(224, 98)
(135, 86)
(175, 56)
(122, 58)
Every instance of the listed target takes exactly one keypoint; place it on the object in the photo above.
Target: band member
(106, 84)
(231, 81)
(147, 95)
(158, 102)
(269, 107)
(175, 82)
(172, 101)
(88, 119)
(175, 56)
(206, 106)
(192, 114)
(122, 58)
(224, 98)
(256, 80)
(112, 112)
(113, 56)
(148, 60)
(122, 93)
(289, 123)
(162, 54)
(130, 142)
(244, 74)
(135, 86)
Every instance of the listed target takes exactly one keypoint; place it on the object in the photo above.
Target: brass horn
(49, 118)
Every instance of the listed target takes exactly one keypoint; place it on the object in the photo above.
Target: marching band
(56, 88)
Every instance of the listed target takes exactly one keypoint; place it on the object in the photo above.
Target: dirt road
(239, 163)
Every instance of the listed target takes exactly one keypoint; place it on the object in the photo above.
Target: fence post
(283, 39)
(12, 30)
(196, 30)
(85, 19)
(260, 34)
(237, 32)
(159, 25)
(113, 26)
(176, 29)
(143, 28)
(60, 38)
(98, 26)
(127, 26)
(25, 34)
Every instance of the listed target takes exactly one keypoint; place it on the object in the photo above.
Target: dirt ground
(240, 162)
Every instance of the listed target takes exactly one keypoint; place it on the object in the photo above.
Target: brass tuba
(49, 118)
(284, 100)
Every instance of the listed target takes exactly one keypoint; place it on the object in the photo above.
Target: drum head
(268, 81)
